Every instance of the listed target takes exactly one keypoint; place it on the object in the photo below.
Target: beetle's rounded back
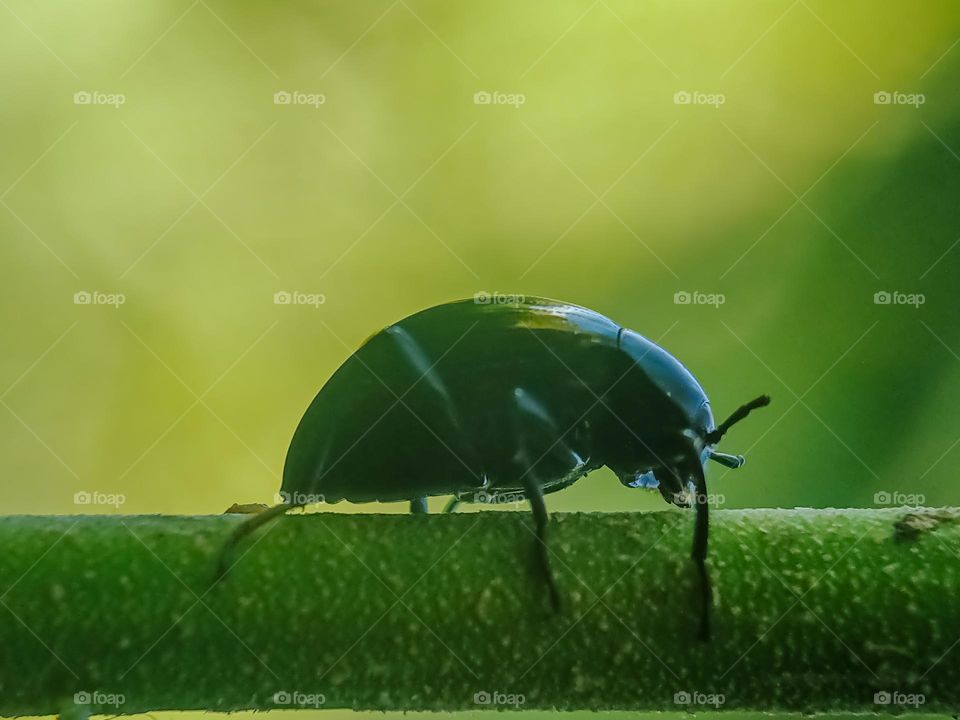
(671, 377)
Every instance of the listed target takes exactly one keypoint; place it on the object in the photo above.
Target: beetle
(477, 399)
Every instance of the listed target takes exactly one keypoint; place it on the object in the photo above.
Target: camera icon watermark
(95, 97)
(895, 297)
(695, 97)
(484, 97)
(683, 297)
(899, 499)
(296, 97)
(95, 297)
(914, 100)
(295, 297)
(298, 699)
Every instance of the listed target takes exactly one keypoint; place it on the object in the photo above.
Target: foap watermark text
(295, 297)
(896, 498)
(895, 297)
(895, 697)
(914, 100)
(85, 497)
(296, 97)
(298, 498)
(497, 698)
(484, 97)
(99, 698)
(683, 297)
(483, 297)
(695, 97)
(694, 697)
(298, 699)
(95, 297)
(95, 97)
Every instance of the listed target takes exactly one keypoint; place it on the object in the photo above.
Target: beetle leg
(244, 529)
(535, 495)
(418, 506)
(699, 550)
(451, 506)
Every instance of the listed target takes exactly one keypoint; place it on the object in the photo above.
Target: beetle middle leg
(535, 495)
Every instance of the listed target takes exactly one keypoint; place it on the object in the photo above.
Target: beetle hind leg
(255, 521)
(451, 505)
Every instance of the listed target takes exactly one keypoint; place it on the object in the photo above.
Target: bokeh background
(776, 163)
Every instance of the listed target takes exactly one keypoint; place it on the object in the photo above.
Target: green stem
(815, 610)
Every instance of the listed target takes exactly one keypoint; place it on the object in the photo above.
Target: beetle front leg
(535, 495)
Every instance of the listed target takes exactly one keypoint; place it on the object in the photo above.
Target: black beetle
(480, 399)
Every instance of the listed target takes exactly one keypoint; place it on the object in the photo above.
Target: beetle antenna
(713, 437)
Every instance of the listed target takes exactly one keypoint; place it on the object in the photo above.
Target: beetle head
(705, 435)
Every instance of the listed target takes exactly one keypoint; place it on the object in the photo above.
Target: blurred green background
(148, 156)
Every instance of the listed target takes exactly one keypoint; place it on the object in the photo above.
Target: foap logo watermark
(295, 297)
(895, 697)
(95, 97)
(98, 698)
(298, 498)
(295, 698)
(296, 97)
(498, 498)
(484, 97)
(914, 100)
(95, 297)
(682, 297)
(483, 297)
(495, 697)
(895, 297)
(695, 97)
(688, 698)
(896, 498)
(83, 497)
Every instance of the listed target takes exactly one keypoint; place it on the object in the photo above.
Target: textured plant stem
(815, 610)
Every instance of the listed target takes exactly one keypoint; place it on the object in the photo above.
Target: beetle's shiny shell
(471, 396)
